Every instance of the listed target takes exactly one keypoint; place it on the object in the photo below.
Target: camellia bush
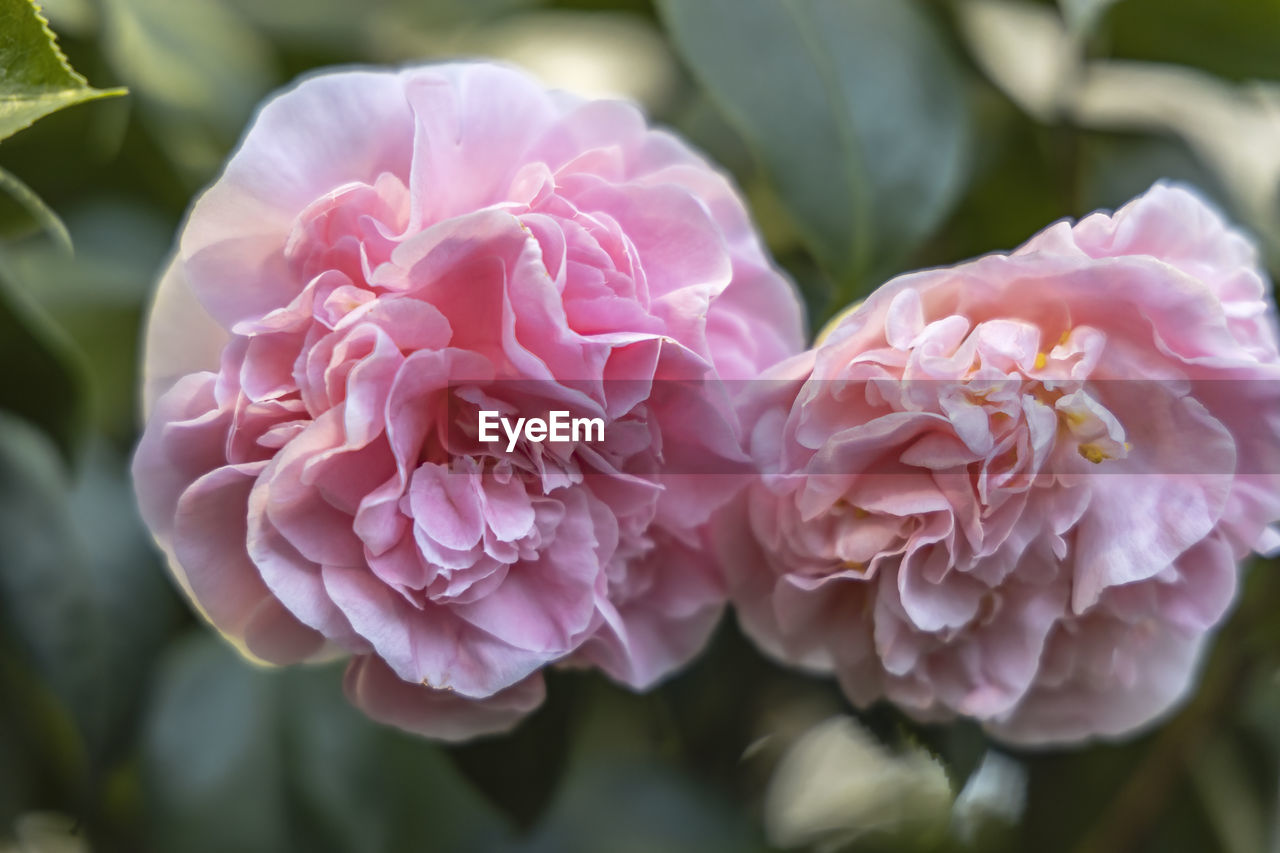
(717, 425)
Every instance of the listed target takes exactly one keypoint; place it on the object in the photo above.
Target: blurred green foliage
(869, 136)
(857, 112)
(1235, 39)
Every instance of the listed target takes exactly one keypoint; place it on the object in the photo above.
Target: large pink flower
(1017, 489)
(386, 255)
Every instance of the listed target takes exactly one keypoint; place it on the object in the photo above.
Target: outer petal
(201, 527)
(646, 637)
(1095, 702)
(372, 687)
(327, 131)
(181, 337)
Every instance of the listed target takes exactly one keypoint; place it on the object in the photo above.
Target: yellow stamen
(841, 505)
(1073, 418)
(1041, 360)
(1093, 453)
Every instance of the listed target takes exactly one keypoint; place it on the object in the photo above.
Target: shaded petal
(372, 687)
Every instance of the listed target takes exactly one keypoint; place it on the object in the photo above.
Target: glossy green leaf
(856, 110)
(35, 78)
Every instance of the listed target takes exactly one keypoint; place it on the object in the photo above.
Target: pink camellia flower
(1017, 489)
(386, 256)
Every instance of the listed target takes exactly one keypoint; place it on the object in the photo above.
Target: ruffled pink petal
(373, 688)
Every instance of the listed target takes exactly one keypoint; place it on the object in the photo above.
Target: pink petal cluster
(1017, 489)
(384, 256)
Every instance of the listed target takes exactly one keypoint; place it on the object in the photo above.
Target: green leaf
(630, 805)
(38, 212)
(99, 296)
(35, 79)
(43, 604)
(630, 783)
(79, 589)
(36, 532)
(520, 772)
(1231, 800)
(357, 785)
(132, 606)
(212, 765)
(247, 759)
(856, 110)
(49, 390)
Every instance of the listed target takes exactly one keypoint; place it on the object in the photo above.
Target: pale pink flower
(385, 255)
(1017, 489)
